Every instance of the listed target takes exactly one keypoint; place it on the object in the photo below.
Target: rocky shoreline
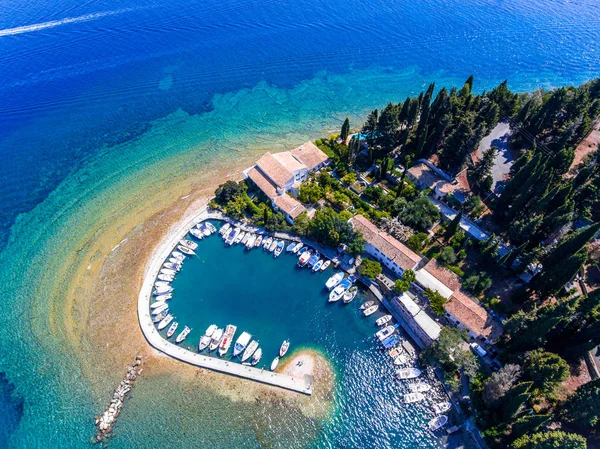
(108, 419)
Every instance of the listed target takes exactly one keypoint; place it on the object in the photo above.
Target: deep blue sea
(108, 108)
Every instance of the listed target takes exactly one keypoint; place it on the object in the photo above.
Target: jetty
(298, 384)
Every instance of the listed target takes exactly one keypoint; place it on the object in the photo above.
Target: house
(427, 176)
(279, 176)
(385, 248)
(421, 324)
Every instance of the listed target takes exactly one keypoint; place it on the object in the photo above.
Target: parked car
(478, 350)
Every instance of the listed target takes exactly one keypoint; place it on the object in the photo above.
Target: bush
(310, 192)
(447, 256)
(436, 301)
(477, 283)
(401, 286)
(417, 241)
(349, 178)
(370, 268)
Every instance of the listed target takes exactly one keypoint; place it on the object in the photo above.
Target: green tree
(420, 214)
(310, 192)
(325, 180)
(514, 400)
(483, 169)
(528, 424)
(356, 245)
(555, 439)
(370, 268)
(447, 256)
(409, 276)
(570, 245)
(436, 301)
(370, 125)
(229, 191)
(454, 225)
(553, 277)
(417, 241)
(349, 178)
(345, 130)
(401, 286)
(450, 351)
(582, 407)
(545, 369)
(301, 224)
(477, 283)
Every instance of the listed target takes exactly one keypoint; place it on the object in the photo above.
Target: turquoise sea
(111, 111)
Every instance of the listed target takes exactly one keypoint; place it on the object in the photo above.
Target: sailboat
(274, 363)
(256, 357)
(284, 348)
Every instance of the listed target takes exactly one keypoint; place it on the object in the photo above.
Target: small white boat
(166, 277)
(175, 260)
(232, 236)
(224, 228)
(338, 292)
(258, 241)
(204, 342)
(284, 348)
(437, 423)
(325, 265)
(442, 407)
(188, 244)
(172, 329)
(157, 304)
(290, 247)
(408, 373)
(211, 227)
(246, 238)
(395, 352)
(350, 294)
(297, 247)
(164, 297)
(168, 272)
(304, 258)
(179, 256)
(274, 363)
(267, 243)
(410, 398)
(273, 245)
(334, 280)
(385, 332)
(202, 227)
(370, 310)
(172, 266)
(279, 248)
(400, 360)
(161, 316)
(421, 387)
(227, 339)
(239, 237)
(252, 347)
(162, 284)
(318, 265)
(256, 357)
(366, 305)
(162, 290)
(197, 233)
(210, 330)
(250, 242)
(160, 309)
(165, 322)
(383, 320)
(216, 339)
(241, 343)
(186, 250)
(184, 333)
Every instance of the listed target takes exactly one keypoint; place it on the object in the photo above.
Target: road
(498, 137)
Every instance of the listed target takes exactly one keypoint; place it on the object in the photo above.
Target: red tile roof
(289, 205)
(274, 170)
(310, 155)
(472, 315)
(443, 274)
(262, 182)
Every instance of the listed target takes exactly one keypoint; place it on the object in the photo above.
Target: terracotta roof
(423, 176)
(286, 159)
(272, 168)
(472, 315)
(262, 182)
(403, 256)
(310, 155)
(443, 274)
(289, 205)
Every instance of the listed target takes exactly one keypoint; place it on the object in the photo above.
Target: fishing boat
(211, 227)
(172, 329)
(162, 290)
(173, 266)
(241, 343)
(197, 233)
(165, 322)
(204, 342)
(366, 305)
(226, 340)
(274, 363)
(188, 244)
(239, 237)
(250, 242)
(166, 278)
(246, 238)
(184, 333)
(408, 373)
(421, 387)
(400, 360)
(279, 248)
(256, 357)
(186, 250)
(267, 243)
(168, 272)
(385, 332)
(318, 265)
(437, 423)
(303, 260)
(383, 320)
(216, 339)
(325, 265)
(252, 347)
(410, 398)
(303, 250)
(224, 228)
(164, 297)
(337, 293)
(273, 245)
(350, 294)
(284, 348)
(157, 304)
(290, 247)
(160, 309)
(179, 256)
(370, 310)
(296, 248)
(390, 341)
(313, 259)
(258, 241)
(210, 330)
(334, 280)
(442, 407)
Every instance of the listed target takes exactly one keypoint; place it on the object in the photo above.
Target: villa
(425, 175)
(279, 176)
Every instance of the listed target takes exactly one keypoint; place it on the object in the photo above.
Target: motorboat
(184, 333)
(241, 343)
(162, 290)
(161, 316)
(385, 332)
(168, 272)
(278, 248)
(165, 322)
(337, 293)
(370, 310)
(318, 265)
(256, 357)
(204, 228)
(210, 330)
(157, 304)
(325, 265)
(290, 247)
(252, 347)
(211, 227)
(383, 320)
(162, 284)
(250, 242)
(175, 260)
(166, 278)
(366, 305)
(421, 387)
(284, 348)
(258, 241)
(437, 423)
(350, 294)
(188, 244)
(274, 363)
(164, 297)
(410, 398)
(395, 353)
(224, 228)
(400, 360)
(297, 247)
(267, 243)
(390, 341)
(303, 250)
(303, 260)
(273, 245)
(334, 280)
(239, 237)
(179, 256)
(216, 339)
(197, 233)
(442, 407)
(186, 250)
(160, 309)
(204, 342)
(408, 373)
(230, 239)
(173, 266)
(246, 238)
(227, 339)
(172, 329)
(313, 259)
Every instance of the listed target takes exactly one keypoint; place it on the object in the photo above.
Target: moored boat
(162, 284)
(164, 297)
(216, 339)
(284, 348)
(258, 241)
(383, 320)
(210, 330)
(165, 322)
(172, 329)
(274, 363)
(313, 259)
(385, 332)
(239, 237)
(290, 247)
(241, 343)
(232, 236)
(204, 228)
(256, 357)
(162, 290)
(437, 423)
(186, 250)
(161, 316)
(350, 294)
(318, 265)
(400, 360)
(168, 271)
(267, 243)
(370, 310)
(303, 260)
(179, 256)
(175, 260)
(173, 266)
(279, 248)
(160, 309)
(420, 387)
(226, 340)
(337, 293)
(211, 227)
(188, 244)
(410, 398)
(197, 233)
(204, 342)
(253, 346)
(157, 304)
(334, 280)
(273, 245)
(442, 407)
(250, 242)
(408, 373)
(224, 228)
(390, 341)
(166, 277)
(325, 265)
(184, 333)
(395, 352)
(246, 238)
(297, 247)
(366, 305)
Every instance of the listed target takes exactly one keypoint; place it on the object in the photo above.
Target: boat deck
(300, 385)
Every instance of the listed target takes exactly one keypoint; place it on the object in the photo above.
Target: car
(478, 349)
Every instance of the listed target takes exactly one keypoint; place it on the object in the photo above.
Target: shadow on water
(11, 409)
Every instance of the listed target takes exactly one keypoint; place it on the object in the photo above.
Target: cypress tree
(516, 183)
(453, 225)
(525, 192)
(528, 424)
(557, 219)
(515, 254)
(370, 125)
(562, 161)
(404, 112)
(583, 176)
(345, 130)
(571, 245)
(522, 161)
(515, 399)
(552, 278)
(505, 258)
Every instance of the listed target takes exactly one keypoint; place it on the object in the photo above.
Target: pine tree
(528, 424)
(453, 225)
(553, 277)
(516, 397)
(345, 130)
(562, 161)
(370, 125)
(570, 245)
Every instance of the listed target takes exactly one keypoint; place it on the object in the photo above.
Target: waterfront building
(415, 318)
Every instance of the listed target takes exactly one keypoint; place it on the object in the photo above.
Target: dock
(299, 385)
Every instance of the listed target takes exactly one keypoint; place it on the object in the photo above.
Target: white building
(421, 324)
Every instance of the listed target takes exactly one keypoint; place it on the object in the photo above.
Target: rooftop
(289, 205)
(412, 307)
(472, 315)
(424, 176)
(262, 182)
(291, 164)
(443, 274)
(429, 326)
(274, 169)
(310, 155)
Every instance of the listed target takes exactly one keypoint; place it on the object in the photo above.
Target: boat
(164, 297)
(246, 238)
(162, 284)
(210, 330)
(168, 271)
(162, 290)
(204, 229)
(366, 305)
(400, 360)
(267, 243)
(197, 233)
(318, 265)
(239, 237)
(297, 247)
(241, 343)
(370, 310)
(273, 245)
(278, 248)
(337, 293)
(161, 316)
(226, 340)
(303, 250)
(232, 236)
(274, 363)
(172, 329)
(395, 352)
(166, 278)
(175, 260)
(252, 347)
(383, 320)
(184, 333)
(408, 373)
(352, 278)
(188, 244)
(303, 260)
(256, 357)
(442, 407)
(157, 304)
(421, 387)
(211, 227)
(437, 423)
(204, 342)
(179, 256)
(350, 294)
(313, 259)
(165, 322)
(160, 309)
(250, 242)
(284, 348)
(390, 341)
(290, 247)
(186, 250)
(216, 339)
(385, 332)
(410, 398)
(172, 266)
(224, 228)
(334, 280)
(258, 241)
(325, 265)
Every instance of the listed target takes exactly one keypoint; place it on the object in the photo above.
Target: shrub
(370, 268)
